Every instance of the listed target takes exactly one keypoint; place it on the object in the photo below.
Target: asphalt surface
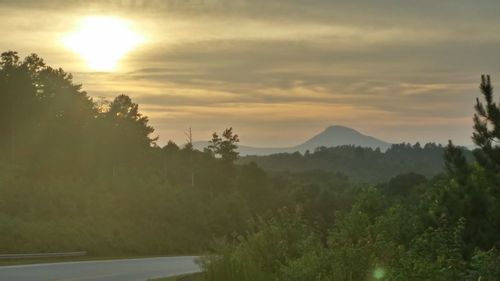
(106, 270)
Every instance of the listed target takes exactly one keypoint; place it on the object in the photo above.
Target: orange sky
(281, 71)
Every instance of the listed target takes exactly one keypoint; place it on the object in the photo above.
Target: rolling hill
(330, 137)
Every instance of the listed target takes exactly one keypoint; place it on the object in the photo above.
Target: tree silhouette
(124, 134)
(486, 133)
(17, 97)
(225, 146)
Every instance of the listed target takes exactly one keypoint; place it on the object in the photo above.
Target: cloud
(355, 12)
(282, 70)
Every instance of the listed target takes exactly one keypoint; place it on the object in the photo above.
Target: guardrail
(42, 255)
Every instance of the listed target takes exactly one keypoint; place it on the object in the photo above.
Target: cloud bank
(280, 71)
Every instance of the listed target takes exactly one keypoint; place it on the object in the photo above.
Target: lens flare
(379, 273)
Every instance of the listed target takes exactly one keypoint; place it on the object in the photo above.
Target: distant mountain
(330, 137)
(339, 135)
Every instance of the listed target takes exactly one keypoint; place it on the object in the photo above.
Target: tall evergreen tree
(225, 146)
(456, 163)
(487, 127)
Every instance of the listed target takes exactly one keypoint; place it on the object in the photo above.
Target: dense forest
(77, 174)
(361, 164)
(410, 228)
(83, 175)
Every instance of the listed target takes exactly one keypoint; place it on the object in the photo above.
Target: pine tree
(487, 128)
(225, 146)
(456, 163)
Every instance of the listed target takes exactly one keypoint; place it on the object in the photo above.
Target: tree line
(81, 174)
(361, 164)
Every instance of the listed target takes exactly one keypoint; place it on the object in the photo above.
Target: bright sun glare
(103, 41)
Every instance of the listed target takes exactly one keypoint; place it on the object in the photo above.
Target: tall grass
(227, 268)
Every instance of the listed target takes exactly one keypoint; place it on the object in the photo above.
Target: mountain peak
(337, 135)
(340, 129)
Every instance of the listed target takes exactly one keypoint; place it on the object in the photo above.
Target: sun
(102, 41)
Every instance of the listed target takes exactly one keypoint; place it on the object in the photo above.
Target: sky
(280, 71)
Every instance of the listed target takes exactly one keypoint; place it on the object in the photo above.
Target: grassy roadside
(73, 259)
(190, 277)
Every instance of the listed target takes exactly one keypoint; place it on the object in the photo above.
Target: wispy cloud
(279, 71)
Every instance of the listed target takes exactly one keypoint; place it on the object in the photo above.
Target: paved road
(108, 270)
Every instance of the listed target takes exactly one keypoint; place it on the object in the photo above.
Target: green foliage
(352, 247)
(404, 186)
(436, 254)
(487, 127)
(455, 162)
(484, 265)
(284, 247)
(409, 228)
(361, 164)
